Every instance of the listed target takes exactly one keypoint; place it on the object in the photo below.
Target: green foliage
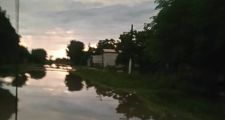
(38, 56)
(190, 32)
(76, 53)
(127, 47)
(189, 36)
(132, 45)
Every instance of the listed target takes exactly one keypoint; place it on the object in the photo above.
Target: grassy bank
(157, 93)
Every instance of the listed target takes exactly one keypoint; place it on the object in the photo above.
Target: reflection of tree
(37, 73)
(73, 82)
(129, 104)
(19, 80)
(131, 107)
(7, 104)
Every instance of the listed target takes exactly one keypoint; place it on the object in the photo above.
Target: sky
(52, 24)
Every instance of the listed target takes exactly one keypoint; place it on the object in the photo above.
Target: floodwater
(56, 94)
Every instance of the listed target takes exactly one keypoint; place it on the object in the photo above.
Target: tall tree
(127, 46)
(38, 56)
(9, 46)
(76, 53)
(190, 34)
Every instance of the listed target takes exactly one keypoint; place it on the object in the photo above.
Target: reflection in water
(132, 107)
(81, 101)
(129, 104)
(7, 104)
(38, 73)
(73, 82)
(20, 80)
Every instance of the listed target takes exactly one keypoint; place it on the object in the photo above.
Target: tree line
(11, 52)
(185, 39)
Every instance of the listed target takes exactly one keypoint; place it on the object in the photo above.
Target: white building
(108, 58)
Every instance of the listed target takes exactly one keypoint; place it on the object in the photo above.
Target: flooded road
(53, 94)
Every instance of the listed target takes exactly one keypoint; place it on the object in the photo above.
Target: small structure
(108, 58)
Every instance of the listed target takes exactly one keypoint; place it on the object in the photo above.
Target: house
(108, 58)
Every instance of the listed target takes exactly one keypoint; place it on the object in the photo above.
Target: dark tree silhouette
(38, 73)
(76, 53)
(188, 36)
(23, 55)
(7, 103)
(132, 45)
(73, 82)
(38, 56)
(9, 46)
(20, 80)
(127, 47)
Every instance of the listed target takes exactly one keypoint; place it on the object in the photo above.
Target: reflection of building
(108, 58)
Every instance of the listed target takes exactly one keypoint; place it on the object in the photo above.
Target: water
(56, 94)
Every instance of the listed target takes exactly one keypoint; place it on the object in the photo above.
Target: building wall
(110, 59)
(97, 59)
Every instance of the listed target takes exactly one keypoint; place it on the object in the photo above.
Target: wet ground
(56, 94)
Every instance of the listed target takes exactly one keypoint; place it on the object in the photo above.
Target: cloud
(113, 2)
(51, 24)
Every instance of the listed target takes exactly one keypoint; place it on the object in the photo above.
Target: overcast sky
(51, 24)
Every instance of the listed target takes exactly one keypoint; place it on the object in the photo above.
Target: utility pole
(130, 60)
(17, 11)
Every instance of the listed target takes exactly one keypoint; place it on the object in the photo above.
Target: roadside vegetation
(157, 91)
(178, 57)
(184, 40)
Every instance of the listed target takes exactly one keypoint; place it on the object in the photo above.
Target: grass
(156, 92)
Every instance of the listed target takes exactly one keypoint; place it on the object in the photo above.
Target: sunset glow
(58, 22)
(61, 53)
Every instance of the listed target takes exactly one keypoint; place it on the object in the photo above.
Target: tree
(76, 53)
(9, 46)
(132, 45)
(105, 44)
(127, 46)
(190, 35)
(63, 61)
(38, 56)
(23, 55)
